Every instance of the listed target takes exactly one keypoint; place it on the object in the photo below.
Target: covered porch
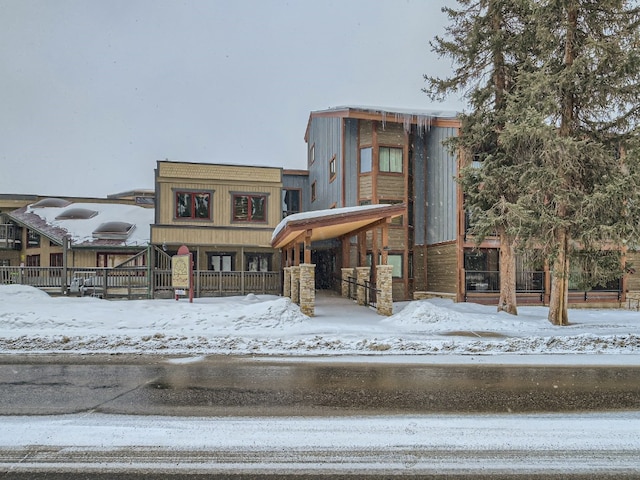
(295, 236)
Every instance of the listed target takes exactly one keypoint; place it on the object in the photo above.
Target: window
(55, 260)
(33, 261)
(393, 259)
(332, 168)
(258, 262)
(249, 208)
(193, 205)
(366, 156)
(290, 202)
(390, 159)
(33, 239)
(221, 262)
(312, 154)
(313, 191)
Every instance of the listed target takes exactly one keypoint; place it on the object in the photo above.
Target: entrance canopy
(319, 225)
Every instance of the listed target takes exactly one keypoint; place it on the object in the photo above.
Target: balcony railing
(139, 282)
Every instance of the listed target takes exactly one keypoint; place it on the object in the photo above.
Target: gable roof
(331, 223)
(81, 230)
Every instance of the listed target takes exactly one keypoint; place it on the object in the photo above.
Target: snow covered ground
(33, 322)
(425, 331)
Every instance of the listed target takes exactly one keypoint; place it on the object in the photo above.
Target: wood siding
(366, 187)
(223, 182)
(390, 187)
(442, 268)
(211, 236)
(391, 134)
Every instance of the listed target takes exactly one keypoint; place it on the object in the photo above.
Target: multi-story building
(363, 156)
(224, 214)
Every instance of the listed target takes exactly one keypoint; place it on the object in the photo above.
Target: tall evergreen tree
(575, 119)
(489, 43)
(557, 131)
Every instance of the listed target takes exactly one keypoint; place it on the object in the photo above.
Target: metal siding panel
(441, 188)
(351, 163)
(419, 182)
(326, 135)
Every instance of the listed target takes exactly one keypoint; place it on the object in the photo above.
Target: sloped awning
(333, 223)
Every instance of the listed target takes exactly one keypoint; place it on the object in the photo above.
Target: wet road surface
(219, 386)
(244, 386)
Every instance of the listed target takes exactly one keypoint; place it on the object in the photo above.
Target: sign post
(182, 272)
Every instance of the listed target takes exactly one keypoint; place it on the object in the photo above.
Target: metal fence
(370, 291)
(139, 282)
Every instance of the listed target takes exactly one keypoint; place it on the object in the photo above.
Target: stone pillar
(308, 288)
(384, 298)
(286, 284)
(295, 284)
(362, 275)
(346, 273)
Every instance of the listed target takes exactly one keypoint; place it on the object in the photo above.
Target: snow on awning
(331, 223)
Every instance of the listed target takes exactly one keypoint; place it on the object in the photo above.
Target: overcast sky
(94, 92)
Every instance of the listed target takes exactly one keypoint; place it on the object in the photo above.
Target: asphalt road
(219, 386)
(243, 386)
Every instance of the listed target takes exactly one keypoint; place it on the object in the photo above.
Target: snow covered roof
(422, 118)
(54, 223)
(331, 223)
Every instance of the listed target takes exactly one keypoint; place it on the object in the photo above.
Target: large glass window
(290, 202)
(390, 159)
(258, 262)
(193, 205)
(221, 262)
(249, 208)
(366, 155)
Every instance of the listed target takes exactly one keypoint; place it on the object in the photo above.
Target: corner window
(249, 208)
(366, 155)
(390, 159)
(195, 205)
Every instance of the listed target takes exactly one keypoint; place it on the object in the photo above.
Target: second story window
(193, 205)
(390, 159)
(290, 202)
(33, 239)
(365, 160)
(249, 208)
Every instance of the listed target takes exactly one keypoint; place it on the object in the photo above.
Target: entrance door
(325, 265)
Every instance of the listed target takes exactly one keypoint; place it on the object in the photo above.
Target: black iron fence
(139, 282)
(370, 291)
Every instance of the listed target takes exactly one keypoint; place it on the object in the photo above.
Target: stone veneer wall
(307, 288)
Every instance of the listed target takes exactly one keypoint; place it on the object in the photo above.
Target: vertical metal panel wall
(325, 134)
(419, 163)
(351, 162)
(441, 187)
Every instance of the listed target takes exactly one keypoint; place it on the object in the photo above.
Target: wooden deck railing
(139, 282)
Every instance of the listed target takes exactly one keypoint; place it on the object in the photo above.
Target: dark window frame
(251, 198)
(192, 205)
